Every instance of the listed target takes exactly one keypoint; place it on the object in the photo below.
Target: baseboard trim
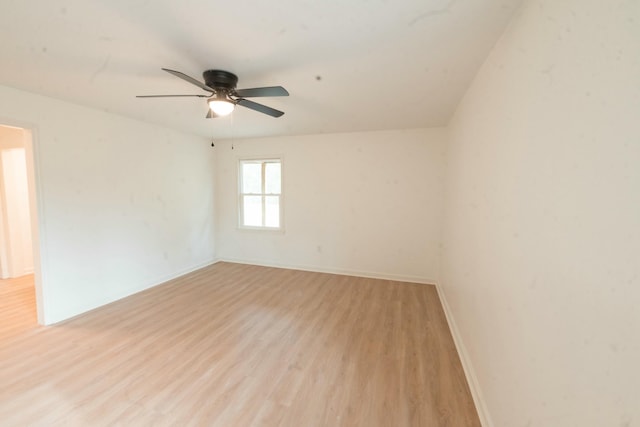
(467, 366)
(49, 321)
(344, 272)
(182, 272)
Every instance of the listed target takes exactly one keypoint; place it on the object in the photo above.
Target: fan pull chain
(233, 132)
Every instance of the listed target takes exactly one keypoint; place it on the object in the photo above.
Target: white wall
(122, 205)
(542, 231)
(357, 203)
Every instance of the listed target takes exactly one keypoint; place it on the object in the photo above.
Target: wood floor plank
(237, 345)
(17, 305)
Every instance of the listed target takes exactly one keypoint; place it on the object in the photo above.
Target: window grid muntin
(263, 195)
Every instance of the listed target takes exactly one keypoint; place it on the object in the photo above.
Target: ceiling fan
(223, 95)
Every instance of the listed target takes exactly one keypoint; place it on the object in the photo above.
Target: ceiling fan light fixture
(221, 105)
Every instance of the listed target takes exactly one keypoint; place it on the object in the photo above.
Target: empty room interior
(363, 213)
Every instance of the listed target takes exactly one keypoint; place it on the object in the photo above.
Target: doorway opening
(20, 281)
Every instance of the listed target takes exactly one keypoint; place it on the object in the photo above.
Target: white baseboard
(48, 321)
(182, 272)
(344, 272)
(472, 380)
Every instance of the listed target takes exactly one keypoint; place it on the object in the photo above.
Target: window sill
(267, 230)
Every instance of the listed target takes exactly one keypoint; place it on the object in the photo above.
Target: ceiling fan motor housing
(220, 79)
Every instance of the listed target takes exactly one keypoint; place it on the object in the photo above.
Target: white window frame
(263, 161)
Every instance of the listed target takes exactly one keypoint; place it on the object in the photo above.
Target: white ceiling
(349, 65)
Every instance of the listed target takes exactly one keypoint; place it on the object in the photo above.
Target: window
(260, 193)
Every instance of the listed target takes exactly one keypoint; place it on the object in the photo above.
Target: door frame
(35, 209)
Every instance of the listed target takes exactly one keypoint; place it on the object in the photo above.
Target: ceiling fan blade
(191, 80)
(262, 91)
(259, 107)
(169, 96)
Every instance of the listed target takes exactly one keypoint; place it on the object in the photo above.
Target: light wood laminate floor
(17, 308)
(237, 345)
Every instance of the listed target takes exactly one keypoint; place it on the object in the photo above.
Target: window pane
(272, 178)
(252, 210)
(252, 178)
(272, 211)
